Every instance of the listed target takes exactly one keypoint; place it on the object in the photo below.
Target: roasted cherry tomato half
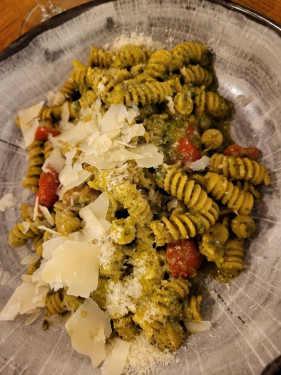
(48, 187)
(188, 150)
(238, 151)
(183, 258)
(43, 133)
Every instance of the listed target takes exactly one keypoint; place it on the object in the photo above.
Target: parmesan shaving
(28, 119)
(36, 206)
(170, 105)
(47, 215)
(115, 362)
(199, 164)
(80, 272)
(196, 327)
(55, 160)
(25, 299)
(7, 201)
(88, 328)
(28, 259)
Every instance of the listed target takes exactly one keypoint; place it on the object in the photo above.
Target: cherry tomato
(43, 133)
(190, 131)
(238, 151)
(188, 150)
(183, 258)
(48, 186)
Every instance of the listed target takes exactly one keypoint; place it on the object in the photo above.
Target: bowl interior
(245, 318)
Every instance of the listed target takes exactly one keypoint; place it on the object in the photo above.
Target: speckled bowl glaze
(246, 318)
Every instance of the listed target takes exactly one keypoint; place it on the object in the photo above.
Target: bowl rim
(23, 41)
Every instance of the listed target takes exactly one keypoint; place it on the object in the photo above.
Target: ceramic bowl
(246, 317)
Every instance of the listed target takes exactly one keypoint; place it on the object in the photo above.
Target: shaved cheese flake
(88, 328)
(28, 119)
(132, 113)
(130, 132)
(43, 227)
(95, 228)
(58, 99)
(35, 212)
(65, 112)
(55, 160)
(150, 156)
(115, 362)
(25, 299)
(113, 120)
(100, 206)
(51, 245)
(196, 327)
(170, 105)
(80, 272)
(72, 176)
(47, 215)
(25, 226)
(199, 164)
(7, 201)
(32, 317)
(123, 155)
(76, 134)
(28, 259)
(50, 98)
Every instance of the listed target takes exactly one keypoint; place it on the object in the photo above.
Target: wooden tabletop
(13, 13)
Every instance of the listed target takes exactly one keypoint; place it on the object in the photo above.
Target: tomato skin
(238, 151)
(183, 258)
(43, 133)
(190, 131)
(188, 150)
(48, 187)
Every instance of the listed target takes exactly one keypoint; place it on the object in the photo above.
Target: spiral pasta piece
(36, 160)
(130, 55)
(66, 220)
(79, 75)
(159, 317)
(179, 185)
(100, 57)
(102, 81)
(211, 102)
(182, 226)
(126, 327)
(69, 88)
(230, 195)
(196, 75)
(239, 169)
(48, 148)
(33, 267)
(159, 63)
(233, 258)
(192, 308)
(22, 232)
(54, 303)
(246, 186)
(212, 244)
(184, 53)
(141, 94)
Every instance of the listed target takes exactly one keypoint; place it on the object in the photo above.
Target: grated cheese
(145, 358)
